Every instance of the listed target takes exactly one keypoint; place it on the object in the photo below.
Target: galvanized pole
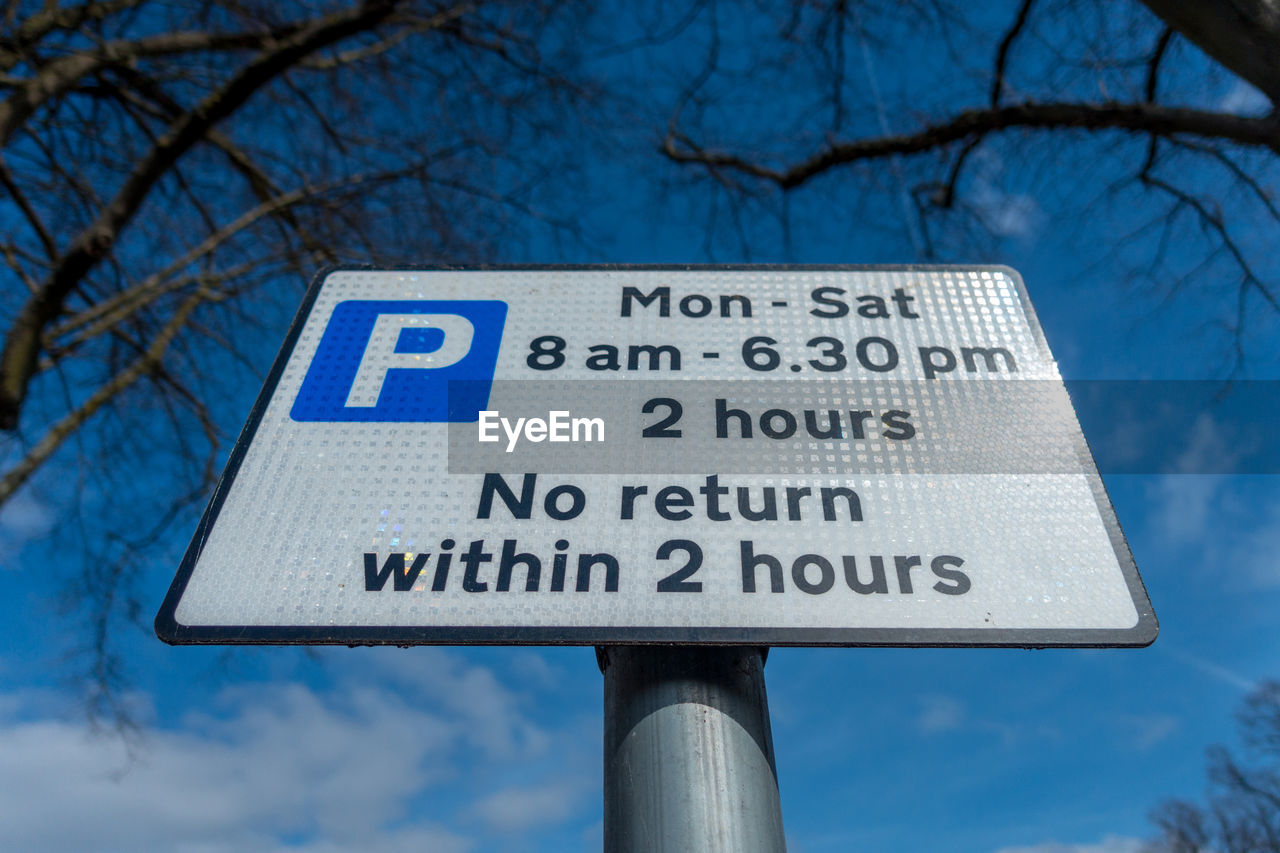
(688, 753)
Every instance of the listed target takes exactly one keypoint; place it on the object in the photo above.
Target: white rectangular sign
(594, 455)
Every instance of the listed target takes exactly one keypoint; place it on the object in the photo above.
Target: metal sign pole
(688, 752)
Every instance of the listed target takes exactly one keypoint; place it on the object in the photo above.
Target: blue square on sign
(396, 360)
(420, 340)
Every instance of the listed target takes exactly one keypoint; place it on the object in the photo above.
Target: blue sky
(443, 749)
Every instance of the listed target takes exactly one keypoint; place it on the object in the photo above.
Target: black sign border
(171, 631)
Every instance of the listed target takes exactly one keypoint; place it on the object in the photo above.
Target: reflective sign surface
(773, 456)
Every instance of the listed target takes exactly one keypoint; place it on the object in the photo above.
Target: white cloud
(531, 667)
(1109, 844)
(1245, 100)
(1186, 500)
(1182, 506)
(1005, 214)
(1211, 447)
(1257, 552)
(277, 767)
(496, 724)
(593, 836)
(413, 840)
(519, 809)
(1213, 670)
(1191, 511)
(1147, 730)
(283, 762)
(940, 714)
(23, 518)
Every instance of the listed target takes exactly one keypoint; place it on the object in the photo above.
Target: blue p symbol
(403, 361)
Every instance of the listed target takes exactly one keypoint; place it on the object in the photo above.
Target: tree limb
(10, 185)
(58, 76)
(58, 433)
(56, 18)
(158, 103)
(1137, 118)
(159, 283)
(22, 344)
(106, 315)
(1240, 34)
(1153, 66)
(407, 30)
(1002, 54)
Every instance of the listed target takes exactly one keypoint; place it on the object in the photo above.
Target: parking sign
(594, 455)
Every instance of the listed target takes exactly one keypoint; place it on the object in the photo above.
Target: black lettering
(673, 496)
(887, 363)
(723, 413)
(878, 585)
(856, 419)
(610, 563)
(793, 501)
(872, 306)
(802, 583)
(899, 425)
(546, 352)
(678, 581)
(969, 354)
(558, 564)
(655, 355)
(550, 504)
(903, 301)
(532, 565)
(393, 567)
(768, 513)
(662, 294)
(662, 429)
(604, 357)
(713, 491)
(904, 565)
(702, 302)
(788, 423)
(494, 484)
(629, 495)
(820, 296)
(944, 566)
(744, 305)
(931, 367)
(750, 560)
(442, 567)
(829, 496)
(471, 560)
(833, 424)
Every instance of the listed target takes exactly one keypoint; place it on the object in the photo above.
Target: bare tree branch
(33, 219)
(59, 75)
(407, 30)
(58, 433)
(19, 357)
(1240, 34)
(1002, 54)
(1137, 118)
(160, 104)
(1237, 171)
(1153, 65)
(1242, 814)
(106, 314)
(158, 156)
(1211, 220)
(52, 18)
